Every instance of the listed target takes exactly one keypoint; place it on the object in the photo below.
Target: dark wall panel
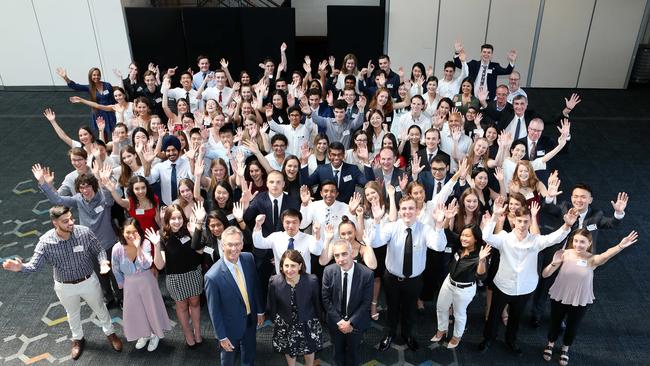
(355, 29)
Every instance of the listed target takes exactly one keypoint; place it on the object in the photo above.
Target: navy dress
(105, 97)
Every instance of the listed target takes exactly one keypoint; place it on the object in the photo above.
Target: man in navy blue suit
(389, 174)
(347, 294)
(346, 176)
(484, 72)
(234, 302)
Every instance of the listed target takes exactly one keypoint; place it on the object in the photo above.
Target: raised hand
(247, 194)
(118, 73)
(361, 103)
(49, 114)
(305, 195)
(416, 168)
(403, 181)
(61, 72)
(534, 208)
(354, 201)
(573, 101)
(224, 63)
(629, 240)
(153, 236)
(377, 211)
(259, 220)
(485, 252)
(458, 46)
(74, 99)
(38, 173)
(553, 189)
(499, 206)
(621, 203)
(482, 93)
(498, 173)
(362, 152)
(238, 211)
(101, 123)
(199, 212)
(571, 216)
(439, 214)
(558, 257)
(512, 56)
(329, 232)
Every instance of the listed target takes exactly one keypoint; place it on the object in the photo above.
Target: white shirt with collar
(407, 120)
(477, 81)
(178, 93)
(318, 211)
(295, 136)
(447, 89)
(279, 241)
(162, 173)
(350, 273)
(517, 273)
(394, 235)
(213, 93)
(447, 142)
(279, 198)
(512, 127)
(273, 162)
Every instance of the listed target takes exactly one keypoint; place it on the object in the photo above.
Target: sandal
(564, 358)
(548, 353)
(374, 315)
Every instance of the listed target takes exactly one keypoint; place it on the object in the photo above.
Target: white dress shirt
(512, 128)
(394, 234)
(350, 273)
(213, 93)
(197, 80)
(162, 172)
(517, 273)
(279, 241)
(447, 142)
(318, 211)
(407, 120)
(178, 93)
(447, 89)
(296, 136)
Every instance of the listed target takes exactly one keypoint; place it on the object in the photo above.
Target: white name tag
(280, 119)
(354, 116)
(99, 209)
(529, 195)
(458, 104)
(230, 217)
(541, 153)
(78, 249)
(389, 86)
(105, 92)
(208, 250)
(347, 178)
(139, 211)
(139, 89)
(582, 263)
(388, 119)
(489, 71)
(398, 189)
(185, 239)
(346, 132)
(447, 249)
(456, 256)
(592, 227)
(158, 100)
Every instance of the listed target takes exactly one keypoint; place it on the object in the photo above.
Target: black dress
(297, 338)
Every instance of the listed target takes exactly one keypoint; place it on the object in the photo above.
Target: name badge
(139, 89)
(592, 227)
(105, 92)
(208, 250)
(354, 116)
(388, 119)
(489, 71)
(447, 249)
(389, 86)
(230, 217)
(346, 132)
(158, 100)
(458, 104)
(280, 119)
(347, 178)
(185, 239)
(78, 249)
(529, 195)
(99, 209)
(139, 211)
(582, 263)
(541, 153)
(456, 256)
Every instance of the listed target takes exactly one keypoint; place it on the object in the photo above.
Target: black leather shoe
(514, 348)
(534, 322)
(484, 346)
(385, 343)
(412, 344)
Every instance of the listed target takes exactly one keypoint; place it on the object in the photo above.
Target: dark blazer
(324, 172)
(508, 114)
(225, 303)
(360, 296)
(307, 298)
(426, 178)
(262, 204)
(544, 145)
(594, 220)
(424, 157)
(474, 67)
(394, 180)
(491, 114)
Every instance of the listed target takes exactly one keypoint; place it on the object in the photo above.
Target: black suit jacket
(307, 298)
(429, 182)
(349, 178)
(262, 204)
(508, 114)
(594, 220)
(394, 181)
(544, 145)
(424, 157)
(360, 296)
(494, 70)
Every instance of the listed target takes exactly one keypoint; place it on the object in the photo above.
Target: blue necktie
(174, 184)
(290, 246)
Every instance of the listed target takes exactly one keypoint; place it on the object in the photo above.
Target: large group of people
(301, 196)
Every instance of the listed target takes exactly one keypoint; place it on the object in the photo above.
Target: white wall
(418, 21)
(40, 35)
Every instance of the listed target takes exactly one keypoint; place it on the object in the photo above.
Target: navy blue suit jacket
(349, 178)
(426, 178)
(225, 303)
(262, 204)
(474, 68)
(360, 296)
(394, 181)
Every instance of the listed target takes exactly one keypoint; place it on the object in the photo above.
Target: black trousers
(540, 297)
(107, 281)
(401, 298)
(346, 347)
(573, 314)
(516, 305)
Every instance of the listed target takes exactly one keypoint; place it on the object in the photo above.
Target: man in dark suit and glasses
(347, 294)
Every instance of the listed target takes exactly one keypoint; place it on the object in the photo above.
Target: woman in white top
(348, 67)
(123, 108)
(418, 77)
(431, 97)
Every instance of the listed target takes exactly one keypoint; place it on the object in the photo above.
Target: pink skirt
(144, 309)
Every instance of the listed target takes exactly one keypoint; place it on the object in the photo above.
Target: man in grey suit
(347, 294)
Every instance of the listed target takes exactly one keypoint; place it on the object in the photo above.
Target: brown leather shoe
(115, 342)
(77, 348)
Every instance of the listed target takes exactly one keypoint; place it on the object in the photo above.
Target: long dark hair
(126, 172)
(214, 205)
(477, 234)
(131, 222)
(138, 179)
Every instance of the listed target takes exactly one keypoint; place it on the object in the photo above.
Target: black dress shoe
(514, 348)
(484, 346)
(534, 322)
(412, 344)
(385, 343)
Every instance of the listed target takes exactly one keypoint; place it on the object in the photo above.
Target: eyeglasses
(280, 146)
(438, 169)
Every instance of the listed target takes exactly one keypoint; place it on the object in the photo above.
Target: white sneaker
(153, 343)
(141, 343)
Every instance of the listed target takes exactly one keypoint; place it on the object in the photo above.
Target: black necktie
(430, 158)
(290, 246)
(407, 269)
(516, 136)
(187, 97)
(533, 151)
(344, 296)
(336, 177)
(174, 185)
(276, 213)
(438, 187)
